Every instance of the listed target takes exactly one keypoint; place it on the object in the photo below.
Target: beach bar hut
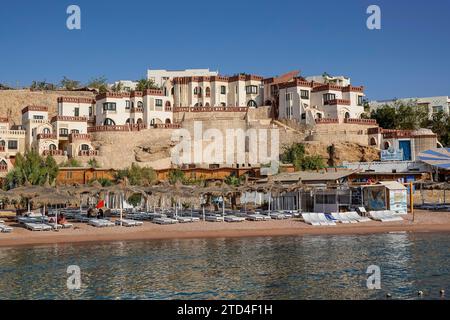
(386, 195)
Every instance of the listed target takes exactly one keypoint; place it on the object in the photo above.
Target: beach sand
(425, 221)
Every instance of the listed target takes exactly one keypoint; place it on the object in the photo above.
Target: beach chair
(234, 219)
(392, 216)
(129, 223)
(348, 216)
(5, 229)
(255, 217)
(164, 221)
(37, 226)
(362, 211)
(315, 219)
(214, 218)
(323, 220)
(331, 218)
(184, 219)
(354, 215)
(100, 223)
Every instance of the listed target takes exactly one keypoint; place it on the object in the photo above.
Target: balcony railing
(2, 148)
(210, 109)
(361, 121)
(326, 120)
(79, 137)
(69, 119)
(53, 153)
(168, 109)
(43, 136)
(335, 102)
(137, 110)
(88, 153)
(167, 126)
(3, 168)
(122, 128)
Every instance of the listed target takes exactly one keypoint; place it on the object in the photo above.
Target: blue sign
(391, 155)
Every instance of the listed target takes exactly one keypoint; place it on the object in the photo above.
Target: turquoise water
(310, 267)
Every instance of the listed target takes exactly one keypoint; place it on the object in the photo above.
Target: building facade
(432, 104)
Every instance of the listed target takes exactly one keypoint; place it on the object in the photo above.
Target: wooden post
(411, 198)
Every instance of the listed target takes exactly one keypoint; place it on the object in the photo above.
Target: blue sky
(409, 56)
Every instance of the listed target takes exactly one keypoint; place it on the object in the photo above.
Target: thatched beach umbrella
(54, 198)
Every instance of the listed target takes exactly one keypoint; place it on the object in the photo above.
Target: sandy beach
(425, 221)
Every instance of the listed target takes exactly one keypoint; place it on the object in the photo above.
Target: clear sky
(409, 56)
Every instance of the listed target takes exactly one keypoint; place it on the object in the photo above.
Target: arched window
(319, 115)
(196, 105)
(139, 121)
(152, 122)
(172, 91)
(140, 104)
(387, 145)
(373, 141)
(52, 147)
(223, 104)
(168, 121)
(46, 131)
(2, 143)
(74, 131)
(198, 91)
(207, 104)
(3, 163)
(347, 115)
(208, 91)
(268, 103)
(252, 103)
(129, 121)
(84, 147)
(109, 122)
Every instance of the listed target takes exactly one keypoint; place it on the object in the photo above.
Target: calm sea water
(310, 267)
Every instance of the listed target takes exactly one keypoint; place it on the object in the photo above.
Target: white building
(127, 85)
(433, 104)
(160, 77)
(309, 101)
(217, 91)
(142, 108)
(327, 79)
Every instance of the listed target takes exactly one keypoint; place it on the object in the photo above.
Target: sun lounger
(315, 219)
(323, 220)
(100, 223)
(384, 216)
(349, 217)
(277, 216)
(354, 215)
(37, 226)
(129, 223)
(5, 229)
(164, 221)
(331, 218)
(214, 218)
(340, 218)
(185, 219)
(234, 219)
(255, 217)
